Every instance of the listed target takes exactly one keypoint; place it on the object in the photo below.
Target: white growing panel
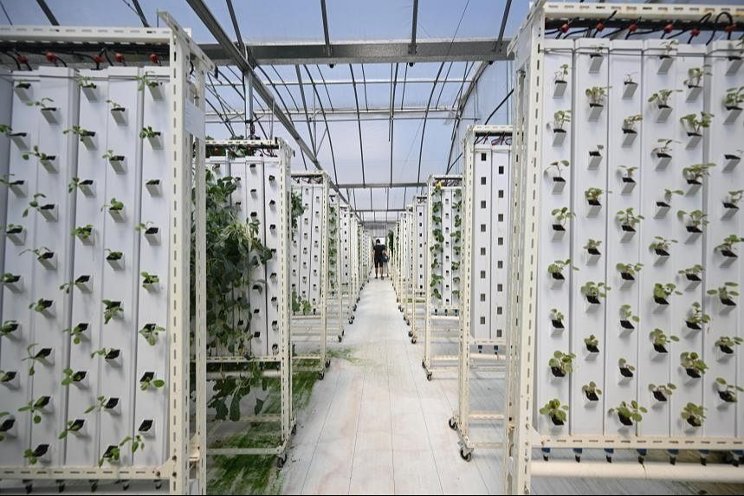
(600, 152)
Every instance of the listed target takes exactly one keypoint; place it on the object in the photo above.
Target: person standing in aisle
(380, 256)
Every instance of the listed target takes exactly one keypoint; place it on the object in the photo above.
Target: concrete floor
(375, 425)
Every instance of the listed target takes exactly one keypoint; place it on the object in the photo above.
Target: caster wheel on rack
(351, 321)
(466, 455)
(428, 376)
(294, 429)
(321, 375)
(423, 364)
(340, 338)
(413, 340)
(355, 307)
(328, 362)
(410, 334)
(343, 332)
(452, 423)
(281, 460)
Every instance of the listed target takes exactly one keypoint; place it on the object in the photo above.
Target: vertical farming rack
(96, 308)
(249, 360)
(310, 270)
(484, 267)
(626, 175)
(444, 251)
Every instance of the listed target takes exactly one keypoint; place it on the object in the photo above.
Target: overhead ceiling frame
(367, 52)
(247, 63)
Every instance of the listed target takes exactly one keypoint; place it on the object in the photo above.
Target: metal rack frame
(185, 468)
(315, 325)
(280, 156)
(527, 167)
(429, 361)
(464, 416)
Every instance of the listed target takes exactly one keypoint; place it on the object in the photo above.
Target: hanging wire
(2, 5)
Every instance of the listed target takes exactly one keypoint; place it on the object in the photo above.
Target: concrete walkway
(375, 424)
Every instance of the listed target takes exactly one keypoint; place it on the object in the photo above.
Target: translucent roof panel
(381, 19)
(480, 18)
(289, 21)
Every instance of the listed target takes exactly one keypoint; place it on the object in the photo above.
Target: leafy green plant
(111, 455)
(560, 118)
(628, 271)
(696, 317)
(592, 195)
(114, 205)
(111, 309)
(594, 291)
(726, 248)
(558, 413)
(81, 132)
(695, 173)
(661, 245)
(662, 96)
(149, 279)
(107, 353)
(561, 363)
(114, 105)
(297, 208)
(559, 165)
(626, 369)
(85, 81)
(83, 232)
(695, 76)
(693, 414)
(693, 364)
(556, 317)
(592, 343)
(726, 343)
(71, 426)
(630, 122)
(144, 81)
(669, 194)
(733, 98)
(662, 392)
(628, 171)
(596, 94)
(726, 293)
(150, 333)
(561, 216)
(32, 456)
(70, 376)
(8, 328)
(35, 152)
(148, 132)
(663, 291)
(35, 408)
(627, 318)
(43, 103)
(592, 246)
(561, 74)
(628, 219)
(629, 413)
(148, 380)
(591, 391)
(733, 198)
(77, 333)
(556, 268)
(692, 273)
(727, 392)
(34, 204)
(694, 124)
(664, 147)
(660, 340)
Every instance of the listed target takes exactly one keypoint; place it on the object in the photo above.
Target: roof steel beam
(247, 63)
(368, 52)
(411, 184)
(414, 23)
(324, 12)
(48, 12)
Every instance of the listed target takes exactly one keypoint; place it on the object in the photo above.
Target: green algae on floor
(259, 474)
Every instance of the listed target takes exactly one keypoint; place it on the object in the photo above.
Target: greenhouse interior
(371, 247)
